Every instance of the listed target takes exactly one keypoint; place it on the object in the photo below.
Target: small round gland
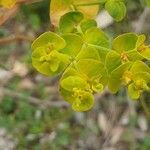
(49, 47)
(142, 48)
(124, 57)
(127, 77)
(141, 85)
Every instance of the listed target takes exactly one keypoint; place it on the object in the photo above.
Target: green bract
(131, 47)
(119, 77)
(73, 46)
(144, 50)
(60, 7)
(83, 101)
(81, 52)
(69, 22)
(140, 84)
(116, 9)
(147, 2)
(96, 36)
(78, 79)
(90, 8)
(136, 76)
(127, 47)
(87, 24)
(47, 57)
(74, 22)
(72, 82)
(78, 90)
(140, 79)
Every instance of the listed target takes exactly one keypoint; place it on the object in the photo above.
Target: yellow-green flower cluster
(81, 52)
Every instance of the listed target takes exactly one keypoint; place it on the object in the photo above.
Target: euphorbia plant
(81, 52)
(86, 58)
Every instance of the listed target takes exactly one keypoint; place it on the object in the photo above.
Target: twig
(14, 38)
(35, 101)
(6, 14)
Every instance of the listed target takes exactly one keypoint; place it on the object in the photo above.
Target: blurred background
(33, 116)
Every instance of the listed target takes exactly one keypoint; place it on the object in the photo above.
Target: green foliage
(47, 57)
(82, 53)
(7, 105)
(116, 9)
(145, 144)
(69, 22)
(90, 8)
(147, 2)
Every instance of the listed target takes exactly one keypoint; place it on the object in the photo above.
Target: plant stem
(88, 4)
(13, 38)
(94, 3)
(73, 7)
(100, 47)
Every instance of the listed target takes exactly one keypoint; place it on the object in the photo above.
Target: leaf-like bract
(96, 36)
(81, 52)
(70, 21)
(59, 7)
(115, 78)
(125, 42)
(116, 9)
